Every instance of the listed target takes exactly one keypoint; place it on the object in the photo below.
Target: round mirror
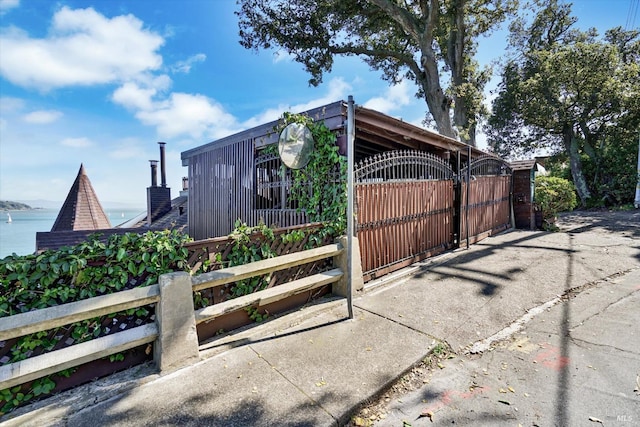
(295, 145)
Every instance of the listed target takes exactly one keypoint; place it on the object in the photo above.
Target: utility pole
(636, 202)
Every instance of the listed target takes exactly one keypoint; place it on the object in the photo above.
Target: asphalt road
(574, 362)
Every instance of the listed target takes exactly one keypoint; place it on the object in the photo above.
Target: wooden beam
(265, 266)
(270, 295)
(56, 361)
(52, 317)
(386, 125)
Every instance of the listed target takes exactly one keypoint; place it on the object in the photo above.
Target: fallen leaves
(426, 413)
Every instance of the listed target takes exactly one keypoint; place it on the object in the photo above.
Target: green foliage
(254, 244)
(87, 270)
(244, 251)
(554, 195)
(255, 315)
(320, 187)
(612, 176)
(569, 90)
(78, 272)
(403, 40)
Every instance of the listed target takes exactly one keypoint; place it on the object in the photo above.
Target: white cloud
(76, 142)
(338, 89)
(127, 152)
(198, 117)
(281, 56)
(10, 105)
(188, 114)
(396, 97)
(6, 5)
(42, 117)
(82, 48)
(132, 96)
(185, 66)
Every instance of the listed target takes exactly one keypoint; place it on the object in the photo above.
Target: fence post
(177, 342)
(357, 283)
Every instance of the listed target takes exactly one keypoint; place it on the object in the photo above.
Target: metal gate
(405, 208)
(485, 205)
(411, 205)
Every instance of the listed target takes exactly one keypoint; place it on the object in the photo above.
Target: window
(273, 182)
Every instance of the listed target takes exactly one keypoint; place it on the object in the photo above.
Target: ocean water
(19, 236)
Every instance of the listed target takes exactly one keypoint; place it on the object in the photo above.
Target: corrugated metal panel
(332, 114)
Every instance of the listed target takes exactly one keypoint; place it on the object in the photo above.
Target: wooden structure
(412, 205)
(524, 175)
(411, 195)
(81, 209)
(82, 215)
(172, 331)
(232, 179)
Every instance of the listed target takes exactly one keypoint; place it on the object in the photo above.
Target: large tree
(430, 42)
(565, 90)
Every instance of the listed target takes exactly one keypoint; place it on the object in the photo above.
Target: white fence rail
(174, 331)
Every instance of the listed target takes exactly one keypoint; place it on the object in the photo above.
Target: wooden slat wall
(488, 206)
(221, 190)
(402, 222)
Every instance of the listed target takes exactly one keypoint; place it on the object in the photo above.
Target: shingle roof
(175, 219)
(81, 210)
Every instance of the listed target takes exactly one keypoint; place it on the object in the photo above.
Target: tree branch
(400, 15)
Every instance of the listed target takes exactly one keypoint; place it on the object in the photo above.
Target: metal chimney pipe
(163, 171)
(154, 173)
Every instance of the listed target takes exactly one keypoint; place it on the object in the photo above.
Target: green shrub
(74, 273)
(553, 195)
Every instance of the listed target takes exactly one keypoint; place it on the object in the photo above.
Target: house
(232, 179)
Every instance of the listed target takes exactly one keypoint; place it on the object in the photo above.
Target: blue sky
(100, 82)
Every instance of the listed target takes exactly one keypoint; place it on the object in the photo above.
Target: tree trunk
(571, 146)
(455, 60)
(438, 103)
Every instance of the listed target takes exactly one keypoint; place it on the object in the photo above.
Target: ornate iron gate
(485, 207)
(405, 208)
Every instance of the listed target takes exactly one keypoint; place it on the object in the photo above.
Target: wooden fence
(412, 205)
(402, 223)
(488, 183)
(488, 210)
(173, 331)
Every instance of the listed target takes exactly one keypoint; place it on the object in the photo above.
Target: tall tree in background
(429, 42)
(566, 90)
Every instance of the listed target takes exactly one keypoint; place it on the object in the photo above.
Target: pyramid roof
(81, 210)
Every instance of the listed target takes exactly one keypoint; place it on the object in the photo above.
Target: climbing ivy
(320, 187)
(245, 251)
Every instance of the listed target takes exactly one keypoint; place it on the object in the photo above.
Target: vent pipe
(163, 171)
(154, 173)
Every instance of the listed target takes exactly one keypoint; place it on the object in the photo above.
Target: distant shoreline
(6, 205)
